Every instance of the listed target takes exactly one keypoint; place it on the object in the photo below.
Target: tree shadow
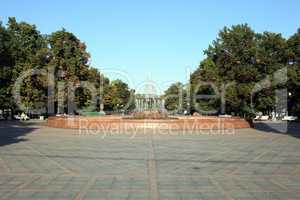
(287, 128)
(12, 131)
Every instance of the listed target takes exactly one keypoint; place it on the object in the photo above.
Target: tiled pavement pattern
(37, 162)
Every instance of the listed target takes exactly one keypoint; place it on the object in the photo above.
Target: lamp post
(289, 96)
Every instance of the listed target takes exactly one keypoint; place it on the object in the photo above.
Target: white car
(289, 118)
(18, 117)
(264, 118)
(257, 117)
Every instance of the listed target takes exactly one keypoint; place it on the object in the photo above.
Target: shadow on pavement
(12, 131)
(287, 128)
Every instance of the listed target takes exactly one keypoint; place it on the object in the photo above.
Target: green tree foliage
(6, 64)
(118, 96)
(271, 56)
(70, 59)
(208, 73)
(23, 48)
(294, 72)
(239, 59)
(229, 62)
(27, 48)
(70, 55)
(175, 98)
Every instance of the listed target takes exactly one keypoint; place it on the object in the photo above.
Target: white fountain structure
(149, 100)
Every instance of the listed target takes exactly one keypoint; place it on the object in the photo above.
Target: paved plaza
(37, 162)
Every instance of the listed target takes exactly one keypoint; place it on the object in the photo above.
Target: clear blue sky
(154, 38)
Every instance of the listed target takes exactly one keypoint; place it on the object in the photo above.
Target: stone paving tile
(45, 195)
(210, 195)
(58, 183)
(117, 195)
(274, 195)
(185, 183)
(23, 195)
(249, 184)
(290, 183)
(116, 183)
(245, 195)
(10, 184)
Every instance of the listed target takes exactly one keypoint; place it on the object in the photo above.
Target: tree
(271, 55)
(229, 61)
(175, 98)
(294, 73)
(236, 61)
(69, 59)
(27, 46)
(118, 96)
(23, 48)
(207, 72)
(6, 64)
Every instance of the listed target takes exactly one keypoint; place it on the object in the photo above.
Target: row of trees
(61, 54)
(246, 68)
(240, 71)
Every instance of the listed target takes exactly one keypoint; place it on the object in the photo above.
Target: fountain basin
(128, 123)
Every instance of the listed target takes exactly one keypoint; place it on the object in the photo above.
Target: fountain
(149, 106)
(150, 113)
